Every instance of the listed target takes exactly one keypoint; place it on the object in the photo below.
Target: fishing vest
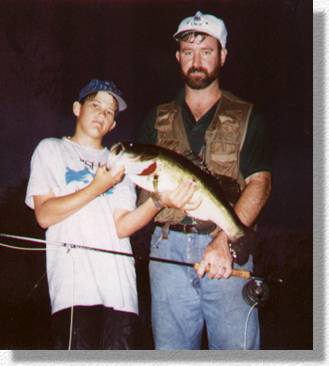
(224, 139)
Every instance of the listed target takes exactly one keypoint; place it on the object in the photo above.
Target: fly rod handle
(235, 272)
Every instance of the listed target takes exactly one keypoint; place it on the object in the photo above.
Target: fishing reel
(256, 292)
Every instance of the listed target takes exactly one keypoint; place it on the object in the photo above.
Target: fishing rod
(255, 292)
(235, 272)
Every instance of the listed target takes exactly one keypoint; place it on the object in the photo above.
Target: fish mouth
(134, 162)
(117, 149)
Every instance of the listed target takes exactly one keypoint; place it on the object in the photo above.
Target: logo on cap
(198, 19)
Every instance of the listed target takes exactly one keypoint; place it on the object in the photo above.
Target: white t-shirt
(81, 276)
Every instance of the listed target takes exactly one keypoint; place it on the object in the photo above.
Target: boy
(75, 197)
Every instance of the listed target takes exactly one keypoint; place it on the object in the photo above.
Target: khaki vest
(223, 140)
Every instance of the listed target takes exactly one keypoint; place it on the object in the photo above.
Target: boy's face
(95, 117)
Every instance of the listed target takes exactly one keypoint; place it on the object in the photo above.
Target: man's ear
(178, 56)
(76, 108)
(113, 125)
(223, 54)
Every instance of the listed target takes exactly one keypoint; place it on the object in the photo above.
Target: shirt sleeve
(256, 153)
(40, 180)
(147, 134)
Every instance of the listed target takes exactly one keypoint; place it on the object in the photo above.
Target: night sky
(50, 49)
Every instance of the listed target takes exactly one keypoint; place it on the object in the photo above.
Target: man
(229, 136)
(75, 197)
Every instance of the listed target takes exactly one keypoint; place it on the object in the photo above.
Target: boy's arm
(50, 210)
(128, 222)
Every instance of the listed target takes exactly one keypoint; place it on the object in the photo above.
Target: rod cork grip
(242, 273)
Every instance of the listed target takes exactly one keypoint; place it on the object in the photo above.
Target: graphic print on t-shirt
(84, 176)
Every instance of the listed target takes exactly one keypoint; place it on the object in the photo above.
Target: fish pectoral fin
(201, 208)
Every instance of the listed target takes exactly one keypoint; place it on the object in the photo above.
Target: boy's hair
(88, 97)
(92, 97)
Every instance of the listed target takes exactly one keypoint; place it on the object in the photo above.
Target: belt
(191, 228)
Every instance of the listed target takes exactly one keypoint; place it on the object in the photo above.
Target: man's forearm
(217, 259)
(253, 198)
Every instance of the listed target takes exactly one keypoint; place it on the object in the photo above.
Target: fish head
(137, 159)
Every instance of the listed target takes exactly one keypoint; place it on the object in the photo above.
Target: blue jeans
(182, 304)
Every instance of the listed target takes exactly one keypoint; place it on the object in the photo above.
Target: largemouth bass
(155, 168)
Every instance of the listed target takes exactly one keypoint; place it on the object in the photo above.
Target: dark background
(49, 49)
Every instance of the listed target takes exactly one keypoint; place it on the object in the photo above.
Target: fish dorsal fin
(196, 160)
(229, 186)
(149, 170)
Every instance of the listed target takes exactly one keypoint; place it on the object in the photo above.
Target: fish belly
(204, 208)
(145, 182)
(209, 211)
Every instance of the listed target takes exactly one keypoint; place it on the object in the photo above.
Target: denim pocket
(156, 239)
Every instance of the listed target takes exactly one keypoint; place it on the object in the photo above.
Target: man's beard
(200, 81)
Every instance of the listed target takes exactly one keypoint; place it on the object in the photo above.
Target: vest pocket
(224, 158)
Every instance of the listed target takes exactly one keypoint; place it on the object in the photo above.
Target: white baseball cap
(205, 23)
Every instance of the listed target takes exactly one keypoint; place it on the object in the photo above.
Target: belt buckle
(185, 230)
(194, 227)
(196, 230)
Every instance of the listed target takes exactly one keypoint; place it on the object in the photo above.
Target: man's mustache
(197, 69)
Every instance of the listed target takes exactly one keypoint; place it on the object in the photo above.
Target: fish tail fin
(244, 246)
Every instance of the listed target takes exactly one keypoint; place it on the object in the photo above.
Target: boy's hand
(104, 179)
(179, 197)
